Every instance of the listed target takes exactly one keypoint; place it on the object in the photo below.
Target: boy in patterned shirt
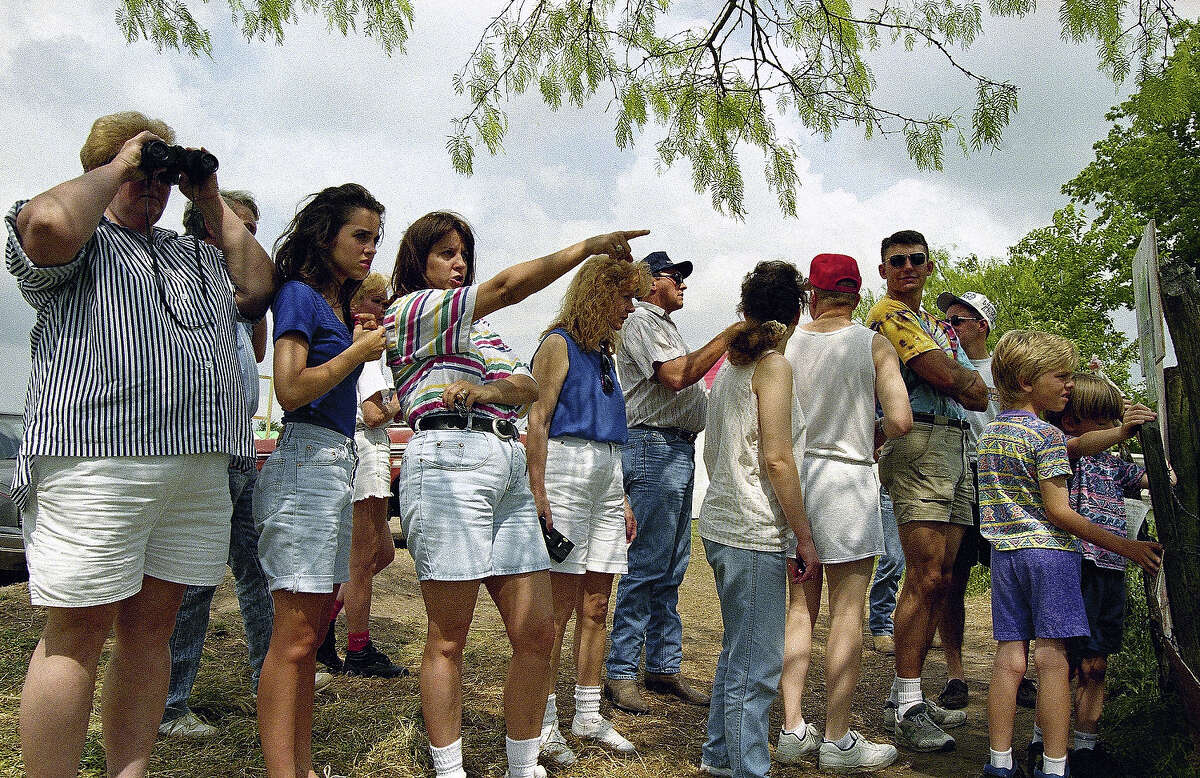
(1026, 515)
(1097, 418)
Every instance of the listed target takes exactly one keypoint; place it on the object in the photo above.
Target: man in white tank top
(840, 368)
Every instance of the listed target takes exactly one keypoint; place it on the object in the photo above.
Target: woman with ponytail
(751, 515)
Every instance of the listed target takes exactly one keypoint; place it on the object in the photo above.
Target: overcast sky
(322, 110)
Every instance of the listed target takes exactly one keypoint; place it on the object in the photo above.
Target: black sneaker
(1089, 763)
(372, 663)
(327, 653)
(955, 695)
(1033, 756)
(1027, 693)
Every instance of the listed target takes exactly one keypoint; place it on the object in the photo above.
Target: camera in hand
(196, 164)
(558, 545)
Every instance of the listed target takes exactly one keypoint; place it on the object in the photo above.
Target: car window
(10, 436)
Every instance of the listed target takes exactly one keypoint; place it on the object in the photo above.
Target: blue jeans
(887, 571)
(752, 588)
(258, 612)
(659, 469)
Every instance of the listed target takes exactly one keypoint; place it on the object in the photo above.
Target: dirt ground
(370, 727)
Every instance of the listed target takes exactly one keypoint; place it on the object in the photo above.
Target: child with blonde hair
(1095, 419)
(1025, 513)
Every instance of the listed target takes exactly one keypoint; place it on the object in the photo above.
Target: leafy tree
(714, 85)
(1066, 278)
(1149, 168)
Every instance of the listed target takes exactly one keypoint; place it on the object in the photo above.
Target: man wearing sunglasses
(927, 476)
(666, 405)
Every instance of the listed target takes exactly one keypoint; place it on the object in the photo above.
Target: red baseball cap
(831, 272)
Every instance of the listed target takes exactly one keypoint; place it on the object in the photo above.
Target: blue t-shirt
(584, 409)
(300, 308)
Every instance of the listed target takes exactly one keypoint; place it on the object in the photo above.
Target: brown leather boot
(676, 685)
(625, 695)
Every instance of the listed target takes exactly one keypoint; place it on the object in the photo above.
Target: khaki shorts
(927, 476)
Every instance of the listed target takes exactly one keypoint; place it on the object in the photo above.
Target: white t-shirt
(375, 377)
(979, 419)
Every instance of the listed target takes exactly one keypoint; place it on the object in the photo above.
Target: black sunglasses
(957, 320)
(917, 258)
(606, 380)
(676, 277)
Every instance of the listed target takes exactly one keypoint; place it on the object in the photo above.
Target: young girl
(302, 503)
(754, 443)
(576, 429)
(465, 503)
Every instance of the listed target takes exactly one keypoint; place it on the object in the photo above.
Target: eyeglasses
(676, 277)
(606, 380)
(917, 259)
(957, 320)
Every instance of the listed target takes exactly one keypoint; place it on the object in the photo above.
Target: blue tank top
(585, 410)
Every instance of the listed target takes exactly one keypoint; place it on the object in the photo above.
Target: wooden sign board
(1147, 300)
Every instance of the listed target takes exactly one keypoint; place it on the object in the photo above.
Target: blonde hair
(109, 134)
(591, 291)
(373, 284)
(1023, 355)
(1093, 398)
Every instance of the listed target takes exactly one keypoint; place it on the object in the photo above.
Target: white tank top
(835, 383)
(740, 508)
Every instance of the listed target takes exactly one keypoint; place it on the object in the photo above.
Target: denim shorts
(1036, 594)
(1104, 600)
(373, 476)
(303, 510)
(466, 507)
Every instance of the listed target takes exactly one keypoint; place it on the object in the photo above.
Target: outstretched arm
(514, 284)
(682, 372)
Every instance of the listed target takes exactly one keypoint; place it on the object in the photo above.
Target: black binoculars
(196, 164)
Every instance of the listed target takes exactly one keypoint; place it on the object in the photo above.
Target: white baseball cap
(973, 300)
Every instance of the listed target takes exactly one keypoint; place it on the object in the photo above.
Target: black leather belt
(676, 432)
(502, 428)
(940, 421)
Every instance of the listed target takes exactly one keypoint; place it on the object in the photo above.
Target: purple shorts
(1036, 594)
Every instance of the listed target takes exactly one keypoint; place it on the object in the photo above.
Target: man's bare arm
(682, 372)
(949, 377)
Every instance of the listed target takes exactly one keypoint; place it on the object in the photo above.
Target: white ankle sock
(587, 702)
(522, 756)
(1001, 760)
(844, 742)
(550, 717)
(1054, 766)
(1037, 734)
(908, 694)
(447, 760)
(797, 730)
(1085, 740)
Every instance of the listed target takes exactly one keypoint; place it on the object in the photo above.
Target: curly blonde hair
(591, 291)
(109, 134)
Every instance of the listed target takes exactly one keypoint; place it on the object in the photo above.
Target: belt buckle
(499, 430)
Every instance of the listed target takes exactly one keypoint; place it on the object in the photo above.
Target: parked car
(12, 542)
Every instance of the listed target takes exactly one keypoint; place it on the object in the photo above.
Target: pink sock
(357, 641)
(335, 609)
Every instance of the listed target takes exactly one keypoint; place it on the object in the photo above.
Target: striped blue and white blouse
(133, 355)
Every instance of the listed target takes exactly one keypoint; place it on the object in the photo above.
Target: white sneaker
(554, 747)
(861, 756)
(321, 680)
(792, 749)
(538, 772)
(188, 725)
(721, 772)
(601, 730)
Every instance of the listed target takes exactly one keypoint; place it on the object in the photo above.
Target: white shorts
(95, 526)
(373, 475)
(842, 503)
(587, 504)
